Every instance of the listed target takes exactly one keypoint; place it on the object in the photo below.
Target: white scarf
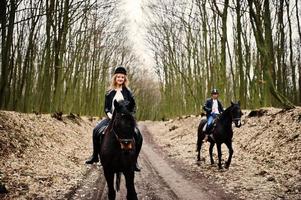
(118, 97)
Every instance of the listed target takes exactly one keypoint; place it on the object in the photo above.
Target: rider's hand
(109, 115)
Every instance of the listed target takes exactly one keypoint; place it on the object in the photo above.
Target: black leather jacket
(127, 95)
(208, 107)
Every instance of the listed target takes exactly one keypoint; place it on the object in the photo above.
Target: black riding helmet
(214, 91)
(120, 70)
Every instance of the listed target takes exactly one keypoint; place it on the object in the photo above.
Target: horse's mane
(226, 112)
(129, 116)
(111, 121)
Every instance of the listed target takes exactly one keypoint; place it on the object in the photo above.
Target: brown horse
(118, 152)
(222, 133)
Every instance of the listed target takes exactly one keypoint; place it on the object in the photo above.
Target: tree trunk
(7, 41)
(265, 48)
(242, 87)
(292, 64)
(299, 49)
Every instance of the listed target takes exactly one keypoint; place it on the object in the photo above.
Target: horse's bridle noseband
(125, 144)
(238, 121)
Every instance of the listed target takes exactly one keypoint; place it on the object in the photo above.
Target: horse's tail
(200, 134)
(118, 177)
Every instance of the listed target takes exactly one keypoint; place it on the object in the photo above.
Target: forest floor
(43, 158)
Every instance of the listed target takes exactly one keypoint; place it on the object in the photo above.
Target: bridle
(125, 144)
(236, 120)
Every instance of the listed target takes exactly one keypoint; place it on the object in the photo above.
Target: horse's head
(236, 113)
(123, 125)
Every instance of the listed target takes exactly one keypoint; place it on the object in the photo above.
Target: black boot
(207, 133)
(139, 139)
(93, 159)
(97, 139)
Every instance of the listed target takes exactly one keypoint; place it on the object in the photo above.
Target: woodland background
(59, 55)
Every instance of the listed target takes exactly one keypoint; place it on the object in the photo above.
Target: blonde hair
(114, 83)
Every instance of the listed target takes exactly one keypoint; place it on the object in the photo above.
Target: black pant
(97, 136)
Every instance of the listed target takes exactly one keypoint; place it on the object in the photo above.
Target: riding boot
(97, 139)
(205, 138)
(138, 139)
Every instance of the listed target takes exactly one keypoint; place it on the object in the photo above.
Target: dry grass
(42, 157)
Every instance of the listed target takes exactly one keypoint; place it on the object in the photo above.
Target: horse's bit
(125, 144)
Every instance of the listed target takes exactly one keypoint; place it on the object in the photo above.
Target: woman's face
(215, 95)
(120, 78)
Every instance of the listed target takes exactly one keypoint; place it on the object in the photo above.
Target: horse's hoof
(227, 165)
(200, 159)
(137, 168)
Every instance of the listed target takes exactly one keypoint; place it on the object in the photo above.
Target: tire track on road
(183, 188)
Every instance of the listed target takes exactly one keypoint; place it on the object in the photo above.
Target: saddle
(205, 127)
(213, 125)
(211, 128)
(102, 130)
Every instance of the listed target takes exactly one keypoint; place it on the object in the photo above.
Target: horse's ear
(116, 104)
(232, 103)
(238, 103)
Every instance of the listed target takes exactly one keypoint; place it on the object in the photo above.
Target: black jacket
(127, 95)
(208, 106)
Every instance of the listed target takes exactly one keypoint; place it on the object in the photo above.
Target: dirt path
(91, 187)
(159, 179)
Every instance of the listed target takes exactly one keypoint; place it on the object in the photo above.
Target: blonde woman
(119, 91)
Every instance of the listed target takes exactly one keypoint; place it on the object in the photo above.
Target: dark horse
(222, 133)
(118, 153)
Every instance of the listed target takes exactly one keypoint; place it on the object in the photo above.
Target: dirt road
(159, 179)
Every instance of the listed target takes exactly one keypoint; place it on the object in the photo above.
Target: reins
(121, 140)
(224, 115)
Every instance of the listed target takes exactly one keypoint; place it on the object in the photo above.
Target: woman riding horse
(222, 133)
(119, 91)
(118, 151)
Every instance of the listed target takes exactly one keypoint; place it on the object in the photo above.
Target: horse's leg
(211, 152)
(219, 154)
(228, 162)
(129, 180)
(199, 146)
(110, 182)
